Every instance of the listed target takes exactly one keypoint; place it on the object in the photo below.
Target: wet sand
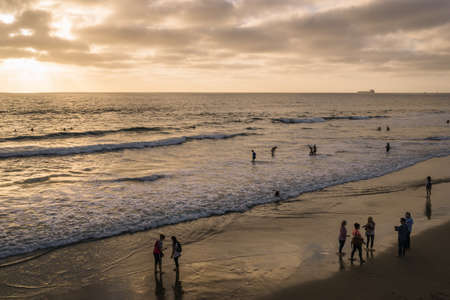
(278, 250)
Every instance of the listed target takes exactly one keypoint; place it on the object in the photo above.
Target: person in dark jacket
(403, 233)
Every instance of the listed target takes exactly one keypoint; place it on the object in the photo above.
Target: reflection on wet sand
(428, 207)
(160, 291)
(177, 287)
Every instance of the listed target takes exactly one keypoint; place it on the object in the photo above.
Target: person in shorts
(158, 252)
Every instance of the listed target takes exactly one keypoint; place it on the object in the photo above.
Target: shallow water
(96, 165)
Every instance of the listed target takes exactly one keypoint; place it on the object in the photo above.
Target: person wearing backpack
(176, 252)
(158, 252)
(357, 242)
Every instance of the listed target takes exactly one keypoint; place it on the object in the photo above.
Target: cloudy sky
(225, 45)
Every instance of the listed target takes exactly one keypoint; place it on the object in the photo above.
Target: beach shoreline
(263, 251)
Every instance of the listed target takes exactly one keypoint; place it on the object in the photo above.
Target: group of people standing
(158, 252)
(404, 233)
(357, 241)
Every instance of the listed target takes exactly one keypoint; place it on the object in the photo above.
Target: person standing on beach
(314, 149)
(273, 150)
(388, 147)
(357, 242)
(158, 252)
(176, 252)
(370, 232)
(253, 156)
(342, 236)
(409, 223)
(403, 235)
(428, 186)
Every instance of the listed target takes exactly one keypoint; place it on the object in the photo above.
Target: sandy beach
(285, 250)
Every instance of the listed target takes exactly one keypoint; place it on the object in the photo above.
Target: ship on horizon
(369, 92)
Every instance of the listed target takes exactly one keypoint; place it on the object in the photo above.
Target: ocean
(76, 167)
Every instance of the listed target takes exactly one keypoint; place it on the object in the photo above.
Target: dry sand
(285, 250)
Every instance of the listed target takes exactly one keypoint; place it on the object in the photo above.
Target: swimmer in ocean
(253, 156)
(273, 150)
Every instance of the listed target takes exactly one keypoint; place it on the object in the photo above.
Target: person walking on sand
(342, 236)
(176, 252)
(357, 242)
(428, 186)
(273, 150)
(158, 252)
(253, 156)
(388, 147)
(403, 234)
(409, 223)
(370, 232)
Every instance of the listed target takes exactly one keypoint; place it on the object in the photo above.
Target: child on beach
(342, 236)
(176, 252)
(370, 232)
(409, 223)
(158, 252)
(403, 234)
(357, 242)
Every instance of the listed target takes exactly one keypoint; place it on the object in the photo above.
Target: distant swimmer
(273, 150)
(15, 130)
(32, 129)
(448, 121)
(64, 129)
(379, 128)
(277, 194)
(314, 149)
(387, 128)
(428, 186)
(311, 150)
(388, 147)
(253, 155)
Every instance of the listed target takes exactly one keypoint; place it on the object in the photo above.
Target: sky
(224, 45)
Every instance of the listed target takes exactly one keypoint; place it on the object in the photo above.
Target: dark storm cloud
(202, 33)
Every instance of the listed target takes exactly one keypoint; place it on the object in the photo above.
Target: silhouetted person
(379, 128)
(357, 242)
(273, 150)
(158, 252)
(277, 194)
(64, 129)
(15, 130)
(409, 223)
(311, 150)
(370, 232)
(388, 147)
(448, 121)
(176, 252)
(32, 129)
(314, 149)
(387, 128)
(402, 237)
(342, 237)
(253, 156)
(428, 186)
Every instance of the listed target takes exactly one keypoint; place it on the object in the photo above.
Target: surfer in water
(253, 156)
(273, 150)
(388, 147)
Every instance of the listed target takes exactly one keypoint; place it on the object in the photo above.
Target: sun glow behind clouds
(7, 19)
(28, 74)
